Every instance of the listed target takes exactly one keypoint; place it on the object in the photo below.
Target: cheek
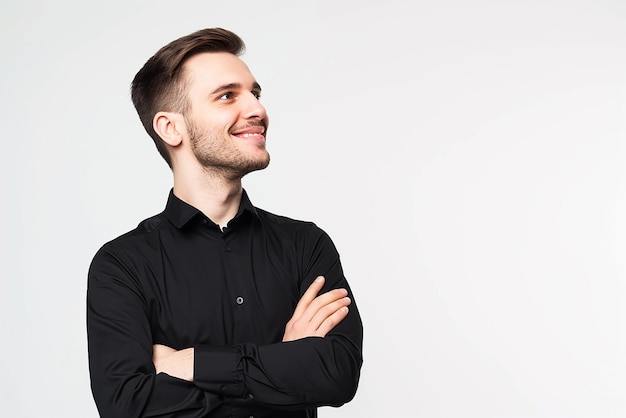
(222, 122)
(216, 121)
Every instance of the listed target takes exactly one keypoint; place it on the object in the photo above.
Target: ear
(166, 125)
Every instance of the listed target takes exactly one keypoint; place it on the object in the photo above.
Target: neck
(214, 195)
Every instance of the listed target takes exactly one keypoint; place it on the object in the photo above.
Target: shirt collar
(180, 213)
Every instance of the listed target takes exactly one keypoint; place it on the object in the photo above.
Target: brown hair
(160, 84)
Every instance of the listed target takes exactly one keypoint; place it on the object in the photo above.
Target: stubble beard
(220, 156)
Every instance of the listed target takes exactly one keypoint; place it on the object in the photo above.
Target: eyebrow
(235, 86)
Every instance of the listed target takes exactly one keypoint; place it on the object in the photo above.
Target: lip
(250, 132)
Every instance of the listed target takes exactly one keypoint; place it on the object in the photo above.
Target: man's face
(226, 123)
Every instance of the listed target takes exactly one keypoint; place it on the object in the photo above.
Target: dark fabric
(178, 280)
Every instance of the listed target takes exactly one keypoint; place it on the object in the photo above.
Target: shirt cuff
(216, 369)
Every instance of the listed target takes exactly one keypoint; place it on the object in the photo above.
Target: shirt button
(239, 300)
(251, 396)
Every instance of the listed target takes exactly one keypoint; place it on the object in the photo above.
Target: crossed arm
(302, 371)
(315, 315)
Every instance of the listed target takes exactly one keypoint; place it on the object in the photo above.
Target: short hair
(160, 85)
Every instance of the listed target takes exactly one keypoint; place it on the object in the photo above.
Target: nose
(252, 108)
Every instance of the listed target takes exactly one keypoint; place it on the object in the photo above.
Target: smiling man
(214, 307)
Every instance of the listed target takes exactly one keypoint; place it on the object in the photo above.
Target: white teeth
(249, 135)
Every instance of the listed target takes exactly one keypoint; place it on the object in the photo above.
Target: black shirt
(179, 280)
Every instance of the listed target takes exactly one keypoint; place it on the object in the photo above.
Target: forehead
(213, 69)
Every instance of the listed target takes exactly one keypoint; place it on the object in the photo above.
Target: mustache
(251, 124)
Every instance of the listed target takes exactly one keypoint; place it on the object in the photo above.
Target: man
(216, 308)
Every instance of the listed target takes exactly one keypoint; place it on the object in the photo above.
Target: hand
(316, 315)
(175, 363)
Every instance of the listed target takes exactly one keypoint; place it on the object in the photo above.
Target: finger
(320, 302)
(332, 321)
(309, 296)
(328, 311)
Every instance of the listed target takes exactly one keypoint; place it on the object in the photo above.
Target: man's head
(177, 80)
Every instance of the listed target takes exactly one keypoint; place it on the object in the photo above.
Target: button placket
(227, 246)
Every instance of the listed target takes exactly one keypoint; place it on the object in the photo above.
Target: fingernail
(319, 279)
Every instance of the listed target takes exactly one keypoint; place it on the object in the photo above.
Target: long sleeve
(305, 373)
(123, 379)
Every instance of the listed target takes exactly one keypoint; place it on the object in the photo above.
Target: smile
(256, 131)
(250, 130)
(248, 135)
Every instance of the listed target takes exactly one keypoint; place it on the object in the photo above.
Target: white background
(467, 157)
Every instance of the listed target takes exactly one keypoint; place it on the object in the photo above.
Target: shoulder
(286, 224)
(144, 230)
(141, 239)
(305, 235)
(281, 220)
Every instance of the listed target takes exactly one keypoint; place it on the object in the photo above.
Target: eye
(226, 96)
(256, 93)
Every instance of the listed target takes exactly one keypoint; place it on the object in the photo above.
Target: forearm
(309, 372)
(312, 371)
(131, 388)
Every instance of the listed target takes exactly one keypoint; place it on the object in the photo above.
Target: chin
(259, 164)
